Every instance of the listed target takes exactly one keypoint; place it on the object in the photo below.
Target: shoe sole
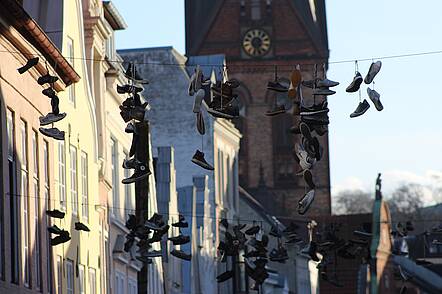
(306, 113)
(324, 93)
(133, 180)
(202, 164)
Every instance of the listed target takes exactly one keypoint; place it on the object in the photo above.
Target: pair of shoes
(321, 87)
(364, 106)
(63, 237)
(198, 159)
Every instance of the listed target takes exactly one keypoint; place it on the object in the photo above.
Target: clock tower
(260, 38)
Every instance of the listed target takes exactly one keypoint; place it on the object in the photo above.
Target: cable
(192, 215)
(396, 56)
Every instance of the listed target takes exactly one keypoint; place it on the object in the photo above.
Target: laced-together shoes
(198, 159)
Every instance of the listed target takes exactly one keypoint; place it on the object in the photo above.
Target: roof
(113, 17)
(35, 35)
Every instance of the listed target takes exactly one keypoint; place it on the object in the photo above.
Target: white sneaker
(375, 98)
(375, 67)
(304, 160)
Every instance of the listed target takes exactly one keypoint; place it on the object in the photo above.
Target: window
(81, 278)
(14, 218)
(132, 286)
(255, 9)
(114, 170)
(74, 184)
(120, 280)
(92, 282)
(59, 274)
(36, 185)
(84, 186)
(24, 192)
(62, 174)
(128, 192)
(69, 277)
(110, 47)
(70, 57)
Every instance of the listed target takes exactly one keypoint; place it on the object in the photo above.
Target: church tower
(259, 37)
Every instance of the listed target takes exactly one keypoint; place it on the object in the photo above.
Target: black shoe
(224, 223)
(154, 226)
(276, 86)
(55, 230)
(179, 240)
(81, 227)
(49, 92)
(318, 119)
(132, 163)
(276, 109)
(308, 178)
(306, 201)
(355, 84)
(198, 159)
(181, 223)
(252, 230)
(138, 113)
(229, 111)
(144, 259)
(47, 79)
(279, 255)
(132, 74)
(55, 213)
(30, 63)
(53, 133)
(310, 83)
(131, 222)
(224, 276)
(130, 128)
(274, 231)
(261, 252)
(293, 239)
(140, 173)
(128, 89)
(51, 118)
(181, 254)
(361, 109)
(62, 238)
(314, 109)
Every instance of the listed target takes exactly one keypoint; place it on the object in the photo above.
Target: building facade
(285, 33)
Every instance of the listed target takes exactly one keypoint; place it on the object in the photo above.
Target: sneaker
(132, 74)
(132, 163)
(228, 112)
(224, 276)
(128, 89)
(62, 238)
(138, 113)
(306, 201)
(305, 131)
(279, 255)
(51, 118)
(140, 173)
(53, 133)
(198, 159)
(276, 86)
(49, 92)
(295, 81)
(130, 128)
(375, 98)
(308, 178)
(81, 227)
(181, 254)
(47, 79)
(319, 119)
(55, 230)
(326, 83)
(155, 226)
(275, 232)
(182, 223)
(276, 109)
(198, 100)
(179, 240)
(323, 91)
(30, 63)
(55, 213)
(304, 160)
(200, 126)
(315, 109)
(375, 67)
(361, 109)
(355, 84)
(252, 230)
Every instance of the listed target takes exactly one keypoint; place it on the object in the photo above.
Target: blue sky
(403, 141)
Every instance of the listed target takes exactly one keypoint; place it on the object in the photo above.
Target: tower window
(256, 9)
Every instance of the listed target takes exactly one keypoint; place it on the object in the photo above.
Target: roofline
(144, 49)
(29, 28)
(113, 17)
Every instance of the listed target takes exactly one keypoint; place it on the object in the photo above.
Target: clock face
(256, 42)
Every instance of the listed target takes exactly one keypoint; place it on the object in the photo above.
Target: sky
(402, 141)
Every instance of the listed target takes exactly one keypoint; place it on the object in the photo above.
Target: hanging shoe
(179, 240)
(224, 276)
(361, 109)
(276, 109)
(55, 230)
(51, 118)
(155, 226)
(355, 84)
(181, 254)
(128, 89)
(375, 98)
(53, 133)
(200, 126)
(152, 254)
(198, 159)
(144, 259)
(306, 201)
(304, 160)
(274, 231)
(311, 251)
(323, 91)
(315, 109)
(310, 83)
(30, 63)
(49, 92)
(47, 79)
(132, 163)
(308, 179)
(374, 69)
(132, 74)
(318, 119)
(182, 223)
(55, 213)
(277, 87)
(295, 81)
(199, 96)
(224, 223)
(228, 112)
(131, 222)
(195, 81)
(62, 238)
(138, 113)
(141, 173)
(326, 83)
(81, 227)
(305, 131)
(252, 230)
(130, 128)
(279, 255)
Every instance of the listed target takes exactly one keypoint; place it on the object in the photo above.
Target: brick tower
(256, 36)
